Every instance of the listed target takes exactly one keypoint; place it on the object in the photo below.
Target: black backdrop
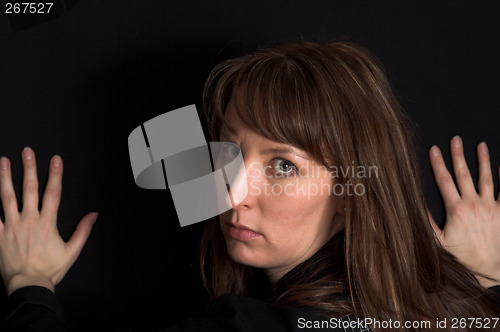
(77, 86)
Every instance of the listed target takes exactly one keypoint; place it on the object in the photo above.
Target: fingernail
(56, 160)
(434, 151)
(483, 148)
(3, 163)
(456, 141)
(28, 153)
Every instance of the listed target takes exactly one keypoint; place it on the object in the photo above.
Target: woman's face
(289, 212)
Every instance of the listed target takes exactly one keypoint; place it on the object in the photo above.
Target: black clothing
(36, 309)
(496, 295)
(33, 308)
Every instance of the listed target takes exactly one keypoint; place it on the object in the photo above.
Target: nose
(245, 189)
(242, 174)
(227, 162)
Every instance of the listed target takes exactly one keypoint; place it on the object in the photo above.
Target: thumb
(81, 234)
(434, 226)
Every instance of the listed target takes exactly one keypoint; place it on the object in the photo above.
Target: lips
(242, 233)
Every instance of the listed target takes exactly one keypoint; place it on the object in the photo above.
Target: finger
(30, 181)
(498, 197)
(52, 195)
(485, 183)
(443, 178)
(462, 175)
(7, 193)
(81, 234)
(435, 226)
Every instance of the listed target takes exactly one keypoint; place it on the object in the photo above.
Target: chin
(244, 254)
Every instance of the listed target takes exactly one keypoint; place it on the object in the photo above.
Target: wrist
(20, 280)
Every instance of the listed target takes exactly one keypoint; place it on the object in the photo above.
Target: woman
(318, 236)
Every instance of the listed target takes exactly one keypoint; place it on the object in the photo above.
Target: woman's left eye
(282, 167)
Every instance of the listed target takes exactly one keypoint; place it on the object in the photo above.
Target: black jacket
(36, 309)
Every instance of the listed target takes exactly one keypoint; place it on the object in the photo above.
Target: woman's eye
(282, 167)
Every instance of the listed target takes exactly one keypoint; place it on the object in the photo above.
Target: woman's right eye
(282, 168)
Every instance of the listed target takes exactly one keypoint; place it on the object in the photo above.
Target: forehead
(234, 127)
(274, 120)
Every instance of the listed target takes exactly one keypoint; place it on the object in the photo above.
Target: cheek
(299, 209)
(283, 211)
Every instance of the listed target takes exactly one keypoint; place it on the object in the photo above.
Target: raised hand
(472, 228)
(31, 250)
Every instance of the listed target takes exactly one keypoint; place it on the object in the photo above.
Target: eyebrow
(282, 150)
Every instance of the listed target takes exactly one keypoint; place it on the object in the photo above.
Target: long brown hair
(334, 101)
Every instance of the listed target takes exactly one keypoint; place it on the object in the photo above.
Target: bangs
(278, 97)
